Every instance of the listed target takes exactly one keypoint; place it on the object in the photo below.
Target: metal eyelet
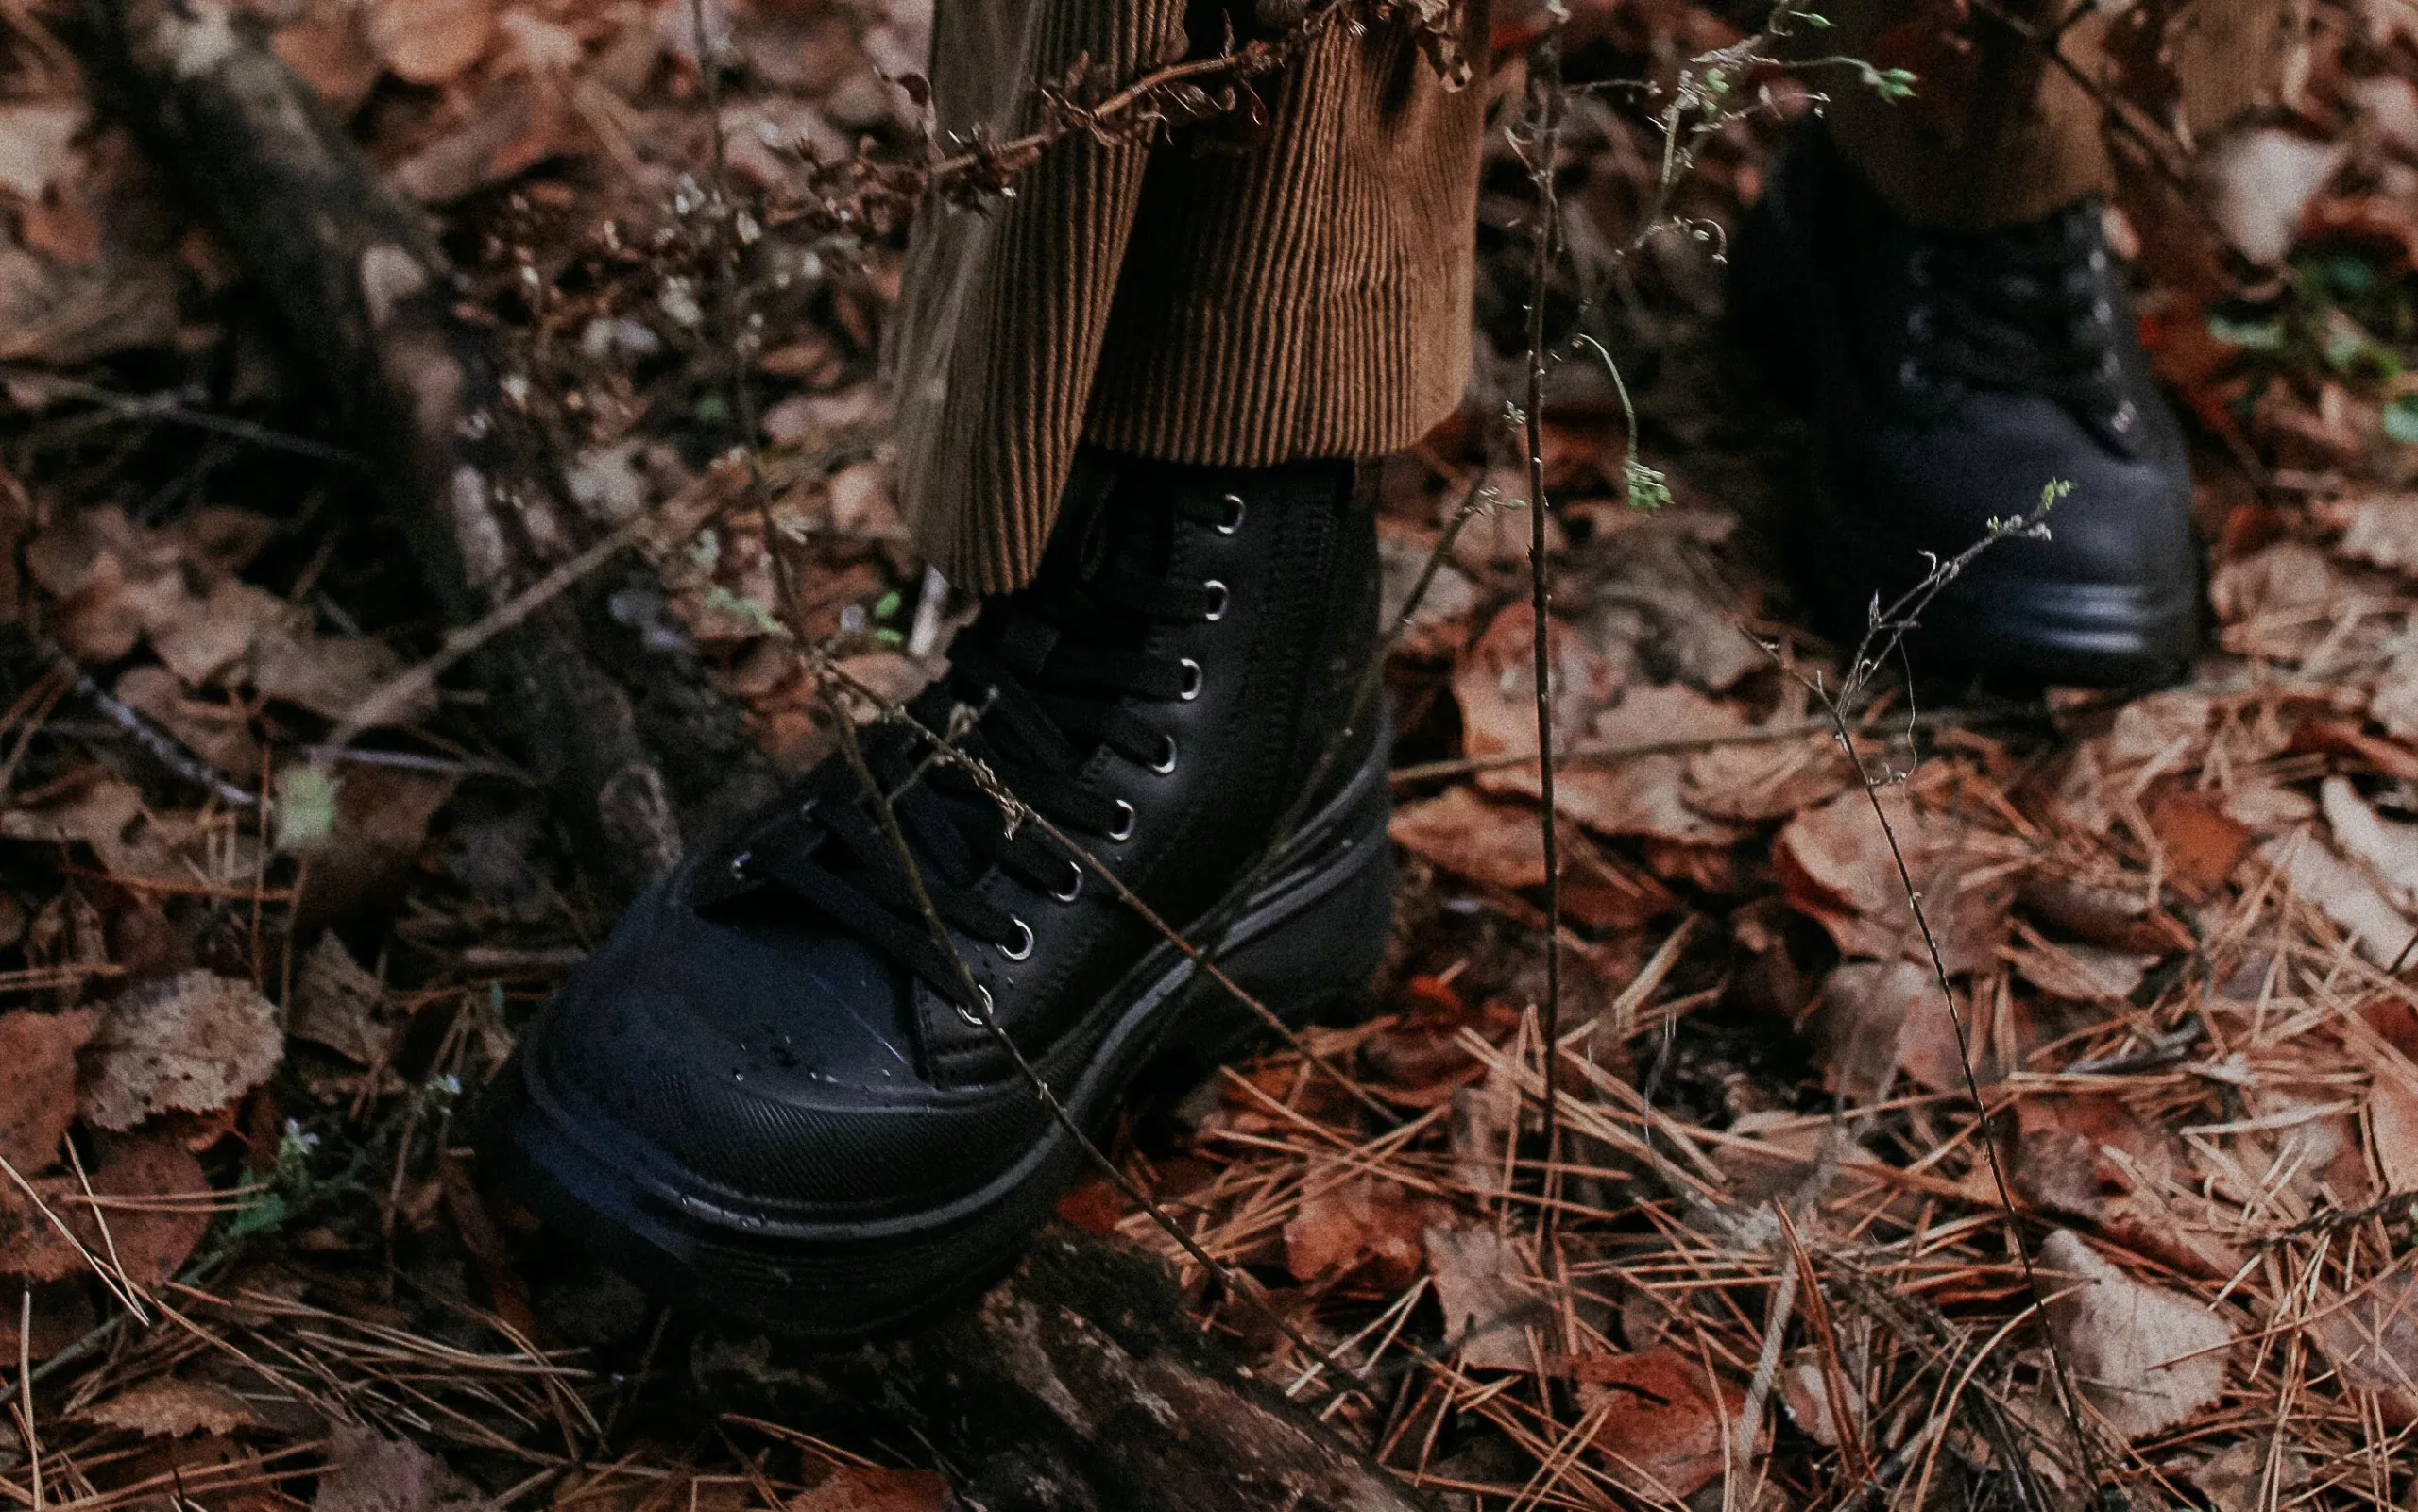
(1221, 600)
(982, 1020)
(1234, 520)
(2098, 260)
(1192, 680)
(1165, 763)
(1124, 827)
(738, 865)
(1074, 888)
(1910, 375)
(2122, 420)
(1023, 948)
(2102, 313)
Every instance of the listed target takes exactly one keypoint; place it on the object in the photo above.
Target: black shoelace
(2028, 308)
(1051, 674)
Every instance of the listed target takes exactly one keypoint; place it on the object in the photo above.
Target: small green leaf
(1644, 487)
(887, 605)
(2250, 335)
(305, 811)
(890, 638)
(2401, 419)
(749, 613)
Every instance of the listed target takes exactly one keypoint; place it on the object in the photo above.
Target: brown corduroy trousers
(1309, 297)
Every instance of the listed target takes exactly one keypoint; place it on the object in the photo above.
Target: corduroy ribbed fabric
(1309, 297)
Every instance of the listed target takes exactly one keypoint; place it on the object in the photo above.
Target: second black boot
(1947, 378)
(768, 1093)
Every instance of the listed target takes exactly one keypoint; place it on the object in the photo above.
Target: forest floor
(246, 981)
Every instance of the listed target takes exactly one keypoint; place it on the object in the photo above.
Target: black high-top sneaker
(767, 1093)
(1950, 376)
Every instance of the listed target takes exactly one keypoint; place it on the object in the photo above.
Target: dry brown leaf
(2394, 701)
(329, 676)
(2372, 1338)
(1497, 688)
(429, 42)
(170, 1408)
(2383, 531)
(1747, 784)
(191, 1042)
(207, 633)
(2201, 842)
(2145, 1358)
(335, 1004)
(515, 124)
(2389, 849)
(32, 1246)
(219, 733)
(2238, 1478)
(367, 1472)
(38, 1083)
(150, 1238)
(37, 144)
(107, 815)
(2080, 973)
(872, 1488)
(1663, 1424)
(1877, 1017)
(1488, 1313)
(2258, 184)
(1805, 1389)
(1836, 863)
(329, 47)
(1641, 794)
(1351, 1222)
(1502, 845)
(2342, 892)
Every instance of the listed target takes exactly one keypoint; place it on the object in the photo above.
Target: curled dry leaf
(2389, 849)
(2372, 1339)
(2145, 1358)
(1878, 1017)
(429, 42)
(1488, 1313)
(1641, 794)
(368, 1472)
(1836, 862)
(873, 1488)
(1663, 1422)
(1806, 1391)
(2080, 973)
(38, 1083)
(2200, 842)
(2342, 892)
(191, 1042)
(2239, 1479)
(1497, 688)
(1502, 845)
(1346, 1223)
(2258, 184)
(155, 1203)
(170, 1408)
(2383, 531)
(335, 1004)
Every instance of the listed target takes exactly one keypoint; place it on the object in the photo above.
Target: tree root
(1077, 1384)
(631, 741)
